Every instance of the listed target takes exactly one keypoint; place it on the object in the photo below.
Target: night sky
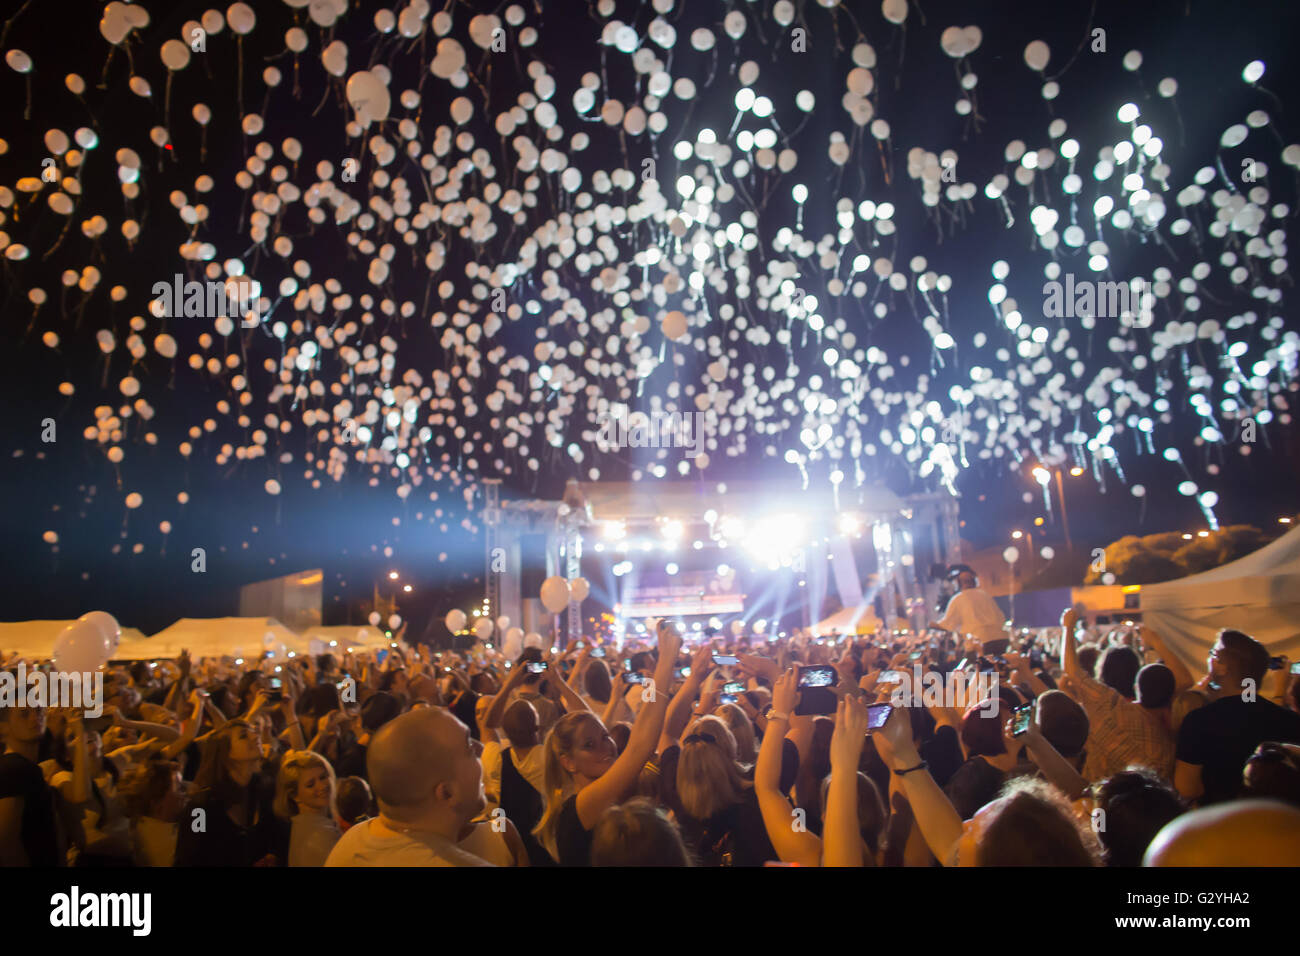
(72, 488)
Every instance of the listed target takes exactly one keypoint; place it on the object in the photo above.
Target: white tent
(34, 640)
(341, 638)
(1258, 594)
(217, 637)
(849, 620)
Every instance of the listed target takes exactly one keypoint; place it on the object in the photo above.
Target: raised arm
(1182, 676)
(938, 820)
(681, 708)
(610, 787)
(1069, 653)
(1055, 768)
(792, 845)
(842, 832)
(573, 702)
(497, 709)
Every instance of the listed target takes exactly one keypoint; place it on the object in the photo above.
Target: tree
(1164, 557)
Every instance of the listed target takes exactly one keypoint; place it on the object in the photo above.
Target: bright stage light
(723, 570)
(671, 568)
(614, 530)
(732, 527)
(848, 524)
(1041, 475)
(672, 530)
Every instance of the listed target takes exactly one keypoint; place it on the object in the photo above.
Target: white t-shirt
(973, 612)
(488, 844)
(366, 845)
(532, 767)
(312, 838)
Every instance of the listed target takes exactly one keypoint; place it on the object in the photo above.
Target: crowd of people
(1053, 747)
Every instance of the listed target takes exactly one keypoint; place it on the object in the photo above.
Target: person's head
(596, 680)
(622, 733)
(1240, 833)
(379, 708)
(637, 833)
(1155, 687)
(1064, 724)
(1134, 804)
(965, 577)
(1087, 656)
(871, 810)
(319, 700)
(232, 754)
(305, 785)
(354, 801)
(741, 729)
(981, 728)
(324, 665)
(643, 662)
(1117, 669)
(1184, 703)
(1273, 772)
(425, 770)
(153, 789)
(1030, 824)
(521, 724)
(708, 780)
(1236, 658)
(22, 725)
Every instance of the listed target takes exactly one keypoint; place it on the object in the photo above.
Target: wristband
(921, 766)
(773, 715)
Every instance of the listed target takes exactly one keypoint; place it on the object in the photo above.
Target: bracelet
(923, 765)
(773, 715)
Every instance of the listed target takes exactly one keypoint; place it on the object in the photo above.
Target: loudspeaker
(532, 564)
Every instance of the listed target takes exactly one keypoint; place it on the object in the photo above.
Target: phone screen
(725, 660)
(598, 652)
(816, 690)
(877, 715)
(733, 687)
(1020, 719)
(914, 656)
(727, 698)
(818, 676)
(536, 667)
(633, 678)
(380, 655)
(891, 677)
(1295, 668)
(276, 683)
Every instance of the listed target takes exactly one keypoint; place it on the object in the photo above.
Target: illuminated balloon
(555, 594)
(455, 621)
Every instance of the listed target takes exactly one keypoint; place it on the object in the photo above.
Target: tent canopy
(34, 640)
(217, 637)
(344, 637)
(1258, 594)
(849, 620)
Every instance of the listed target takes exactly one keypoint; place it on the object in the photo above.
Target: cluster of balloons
(620, 233)
(87, 643)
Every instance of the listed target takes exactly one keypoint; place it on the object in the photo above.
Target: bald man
(1238, 833)
(425, 771)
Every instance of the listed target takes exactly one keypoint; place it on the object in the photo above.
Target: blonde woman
(304, 795)
(585, 774)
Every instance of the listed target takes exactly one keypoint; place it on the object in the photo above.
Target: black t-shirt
(464, 709)
(1220, 737)
(572, 839)
(975, 783)
(224, 842)
(41, 833)
(734, 837)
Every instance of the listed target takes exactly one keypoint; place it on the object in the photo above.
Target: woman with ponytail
(585, 774)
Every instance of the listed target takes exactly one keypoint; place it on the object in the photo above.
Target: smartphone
(816, 690)
(726, 698)
(536, 667)
(1020, 718)
(627, 663)
(725, 660)
(1276, 663)
(277, 689)
(961, 665)
(914, 656)
(598, 652)
(877, 715)
(891, 677)
(734, 687)
(1295, 668)
(633, 678)
(683, 673)
(380, 655)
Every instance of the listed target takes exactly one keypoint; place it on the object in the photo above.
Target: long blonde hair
(292, 768)
(560, 741)
(708, 780)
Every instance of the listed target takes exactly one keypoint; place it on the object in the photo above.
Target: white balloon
(455, 620)
(1037, 54)
(503, 624)
(240, 17)
(368, 96)
(674, 325)
(175, 55)
(579, 589)
(555, 594)
(1011, 555)
(532, 640)
(895, 11)
(107, 625)
(483, 629)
